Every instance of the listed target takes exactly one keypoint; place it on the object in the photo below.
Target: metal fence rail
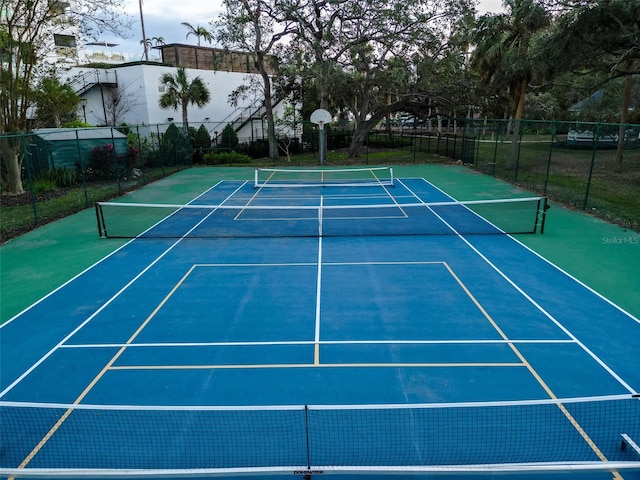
(576, 163)
(580, 164)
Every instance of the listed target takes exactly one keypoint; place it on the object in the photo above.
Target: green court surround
(603, 256)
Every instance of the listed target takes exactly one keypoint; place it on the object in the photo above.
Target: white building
(135, 86)
(129, 92)
(138, 86)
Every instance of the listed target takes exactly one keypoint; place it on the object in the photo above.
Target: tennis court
(310, 322)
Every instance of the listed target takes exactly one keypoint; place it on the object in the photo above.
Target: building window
(64, 40)
(65, 45)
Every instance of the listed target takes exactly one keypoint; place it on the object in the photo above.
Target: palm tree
(179, 91)
(150, 43)
(502, 53)
(199, 32)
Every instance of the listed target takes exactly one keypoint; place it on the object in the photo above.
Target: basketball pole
(322, 143)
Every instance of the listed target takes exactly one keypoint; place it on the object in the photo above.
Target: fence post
(520, 124)
(550, 156)
(414, 144)
(161, 149)
(29, 169)
(596, 135)
(115, 157)
(84, 185)
(465, 126)
(140, 160)
(455, 143)
(495, 150)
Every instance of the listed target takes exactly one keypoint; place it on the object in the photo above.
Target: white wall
(142, 82)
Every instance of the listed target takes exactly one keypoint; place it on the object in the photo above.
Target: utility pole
(144, 36)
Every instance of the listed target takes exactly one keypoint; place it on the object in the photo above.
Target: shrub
(383, 140)
(41, 186)
(133, 157)
(102, 164)
(175, 146)
(255, 149)
(76, 124)
(228, 138)
(225, 158)
(60, 176)
(201, 143)
(339, 139)
(124, 128)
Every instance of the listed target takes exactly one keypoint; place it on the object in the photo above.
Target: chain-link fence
(580, 164)
(66, 170)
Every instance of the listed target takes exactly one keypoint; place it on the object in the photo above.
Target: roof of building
(61, 134)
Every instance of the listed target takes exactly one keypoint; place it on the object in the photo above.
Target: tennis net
(88, 441)
(325, 177)
(486, 217)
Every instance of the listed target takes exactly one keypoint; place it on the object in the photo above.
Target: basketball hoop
(321, 117)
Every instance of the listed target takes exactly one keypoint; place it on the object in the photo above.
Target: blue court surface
(326, 339)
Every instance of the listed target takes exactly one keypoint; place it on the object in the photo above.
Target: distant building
(204, 58)
(590, 102)
(137, 84)
(60, 40)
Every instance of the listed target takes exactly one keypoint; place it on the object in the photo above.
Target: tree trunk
(324, 97)
(185, 120)
(515, 141)
(12, 160)
(626, 100)
(359, 136)
(324, 82)
(268, 109)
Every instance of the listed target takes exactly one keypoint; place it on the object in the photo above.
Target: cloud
(490, 6)
(180, 11)
(163, 18)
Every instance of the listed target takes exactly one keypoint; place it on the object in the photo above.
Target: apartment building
(137, 84)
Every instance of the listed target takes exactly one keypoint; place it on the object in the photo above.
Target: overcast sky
(163, 18)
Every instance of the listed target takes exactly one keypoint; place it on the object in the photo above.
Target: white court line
(284, 365)
(536, 304)
(314, 342)
(104, 305)
(530, 367)
(88, 268)
(317, 341)
(316, 338)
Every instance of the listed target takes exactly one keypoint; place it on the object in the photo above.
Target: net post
(255, 178)
(545, 207)
(102, 233)
(391, 179)
(306, 434)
